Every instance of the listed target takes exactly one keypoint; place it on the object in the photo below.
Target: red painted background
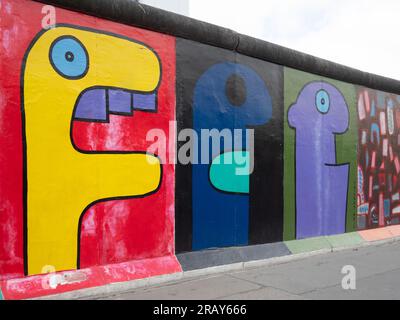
(112, 232)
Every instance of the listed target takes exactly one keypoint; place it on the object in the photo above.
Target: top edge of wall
(132, 13)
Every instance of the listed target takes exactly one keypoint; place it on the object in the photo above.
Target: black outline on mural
(295, 151)
(24, 142)
(88, 207)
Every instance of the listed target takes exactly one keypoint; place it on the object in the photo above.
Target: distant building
(177, 6)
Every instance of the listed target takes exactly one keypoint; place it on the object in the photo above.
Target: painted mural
(321, 183)
(378, 197)
(88, 95)
(228, 91)
(77, 189)
(320, 156)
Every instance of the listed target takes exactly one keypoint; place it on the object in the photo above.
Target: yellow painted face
(73, 73)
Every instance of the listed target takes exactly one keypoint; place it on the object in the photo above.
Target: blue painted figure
(228, 96)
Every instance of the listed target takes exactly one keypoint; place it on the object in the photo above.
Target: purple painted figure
(319, 113)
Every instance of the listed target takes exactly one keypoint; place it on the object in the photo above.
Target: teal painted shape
(229, 172)
(1, 296)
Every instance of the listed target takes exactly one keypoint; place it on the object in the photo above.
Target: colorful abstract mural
(320, 156)
(378, 187)
(80, 190)
(227, 91)
(220, 204)
(319, 113)
(87, 193)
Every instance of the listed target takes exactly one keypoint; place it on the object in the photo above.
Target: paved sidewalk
(317, 277)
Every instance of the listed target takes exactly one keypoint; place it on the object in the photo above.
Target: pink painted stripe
(366, 100)
(375, 234)
(394, 230)
(391, 153)
(38, 286)
(361, 108)
(373, 161)
(385, 148)
(397, 164)
(382, 118)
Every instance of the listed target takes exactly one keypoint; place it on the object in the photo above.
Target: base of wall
(60, 282)
(120, 288)
(130, 275)
(218, 257)
(380, 234)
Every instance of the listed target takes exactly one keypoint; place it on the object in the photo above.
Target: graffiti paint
(221, 217)
(319, 113)
(319, 178)
(89, 195)
(223, 209)
(76, 178)
(77, 190)
(378, 190)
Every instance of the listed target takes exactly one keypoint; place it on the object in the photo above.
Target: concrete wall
(77, 190)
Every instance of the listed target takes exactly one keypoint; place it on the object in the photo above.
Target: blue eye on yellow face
(69, 57)
(322, 101)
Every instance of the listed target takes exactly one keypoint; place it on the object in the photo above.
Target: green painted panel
(346, 147)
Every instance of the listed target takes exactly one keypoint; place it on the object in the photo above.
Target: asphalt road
(318, 277)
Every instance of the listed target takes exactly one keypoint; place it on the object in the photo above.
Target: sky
(362, 34)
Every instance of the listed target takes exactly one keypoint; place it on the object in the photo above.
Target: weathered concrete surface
(330, 242)
(218, 257)
(316, 277)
